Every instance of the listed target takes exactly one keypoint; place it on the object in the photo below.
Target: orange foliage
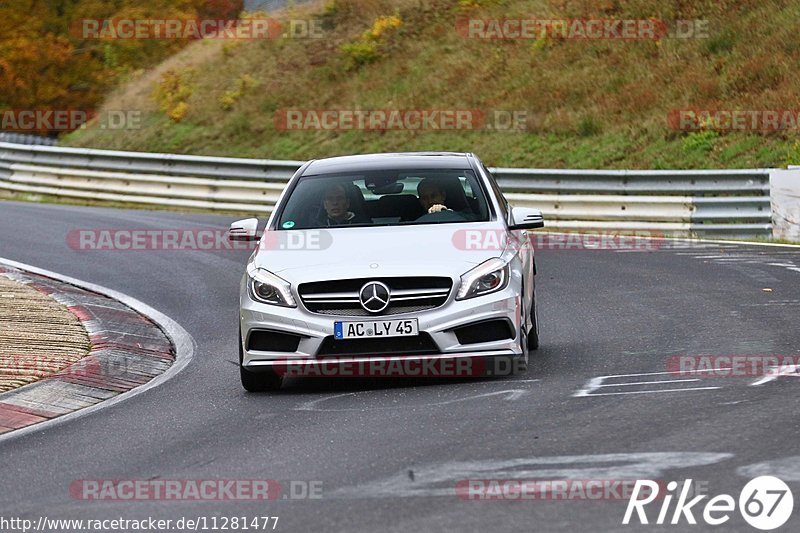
(46, 62)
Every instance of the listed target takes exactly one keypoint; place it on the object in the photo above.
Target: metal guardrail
(223, 183)
(26, 138)
(732, 203)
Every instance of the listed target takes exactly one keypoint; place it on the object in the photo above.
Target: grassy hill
(588, 103)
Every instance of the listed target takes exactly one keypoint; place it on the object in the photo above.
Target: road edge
(182, 341)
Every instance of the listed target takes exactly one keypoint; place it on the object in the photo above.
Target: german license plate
(376, 328)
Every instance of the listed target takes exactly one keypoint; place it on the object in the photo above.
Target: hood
(338, 253)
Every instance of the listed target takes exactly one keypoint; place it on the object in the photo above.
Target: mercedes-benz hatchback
(388, 264)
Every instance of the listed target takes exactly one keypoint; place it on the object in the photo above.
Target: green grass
(589, 104)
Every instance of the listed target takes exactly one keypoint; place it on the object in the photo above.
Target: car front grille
(408, 295)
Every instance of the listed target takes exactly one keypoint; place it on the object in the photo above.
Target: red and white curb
(133, 348)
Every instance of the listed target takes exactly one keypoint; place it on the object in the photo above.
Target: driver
(432, 196)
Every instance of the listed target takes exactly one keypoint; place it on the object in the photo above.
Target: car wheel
(533, 339)
(533, 333)
(519, 365)
(257, 381)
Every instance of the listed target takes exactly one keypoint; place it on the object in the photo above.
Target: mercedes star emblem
(374, 296)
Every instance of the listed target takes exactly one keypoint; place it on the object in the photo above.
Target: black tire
(533, 339)
(533, 333)
(263, 381)
(519, 365)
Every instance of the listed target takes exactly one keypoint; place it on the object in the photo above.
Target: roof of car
(394, 161)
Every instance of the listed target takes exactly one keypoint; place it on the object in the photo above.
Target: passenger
(337, 207)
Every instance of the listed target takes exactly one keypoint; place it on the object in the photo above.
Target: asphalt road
(389, 454)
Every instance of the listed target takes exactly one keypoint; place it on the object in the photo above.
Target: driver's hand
(435, 208)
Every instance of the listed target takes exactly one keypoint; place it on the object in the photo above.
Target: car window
(501, 199)
(386, 197)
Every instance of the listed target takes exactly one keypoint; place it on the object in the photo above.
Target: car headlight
(488, 277)
(266, 287)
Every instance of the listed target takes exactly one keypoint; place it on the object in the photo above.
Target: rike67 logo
(765, 503)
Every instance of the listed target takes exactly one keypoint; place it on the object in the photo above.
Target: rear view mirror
(244, 230)
(384, 185)
(392, 188)
(526, 218)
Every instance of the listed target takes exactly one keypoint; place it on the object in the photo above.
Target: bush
(243, 84)
(177, 113)
(171, 93)
(360, 53)
(368, 47)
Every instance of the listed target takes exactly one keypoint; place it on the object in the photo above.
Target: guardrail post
(785, 201)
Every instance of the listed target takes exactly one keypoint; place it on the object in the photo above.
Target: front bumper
(438, 323)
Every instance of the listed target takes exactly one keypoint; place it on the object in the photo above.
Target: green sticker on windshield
(288, 224)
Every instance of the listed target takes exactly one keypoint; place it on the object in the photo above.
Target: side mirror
(526, 218)
(244, 230)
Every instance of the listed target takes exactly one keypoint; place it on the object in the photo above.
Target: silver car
(407, 264)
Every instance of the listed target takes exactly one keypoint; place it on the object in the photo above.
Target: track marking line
(441, 479)
(313, 405)
(776, 372)
(651, 391)
(599, 382)
(647, 382)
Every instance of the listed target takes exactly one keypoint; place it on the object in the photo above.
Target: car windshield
(385, 198)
